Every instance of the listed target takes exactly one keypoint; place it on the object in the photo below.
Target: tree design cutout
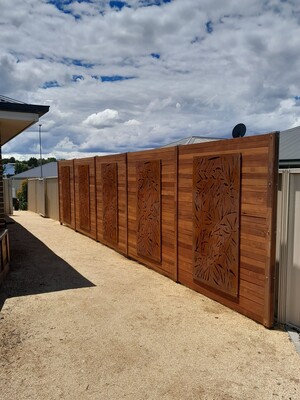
(216, 203)
(149, 210)
(110, 202)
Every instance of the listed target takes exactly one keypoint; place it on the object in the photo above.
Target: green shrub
(22, 195)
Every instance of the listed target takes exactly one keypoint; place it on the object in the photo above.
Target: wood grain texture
(66, 193)
(216, 190)
(120, 169)
(258, 173)
(110, 202)
(85, 196)
(167, 158)
(251, 291)
(149, 209)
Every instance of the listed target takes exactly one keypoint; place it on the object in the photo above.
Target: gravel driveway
(80, 321)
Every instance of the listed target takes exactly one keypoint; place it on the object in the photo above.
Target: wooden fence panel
(85, 196)
(152, 209)
(202, 214)
(254, 294)
(66, 193)
(111, 189)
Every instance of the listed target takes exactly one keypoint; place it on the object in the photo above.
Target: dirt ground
(80, 321)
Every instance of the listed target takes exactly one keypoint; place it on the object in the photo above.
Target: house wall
(4, 239)
(203, 215)
(2, 221)
(8, 202)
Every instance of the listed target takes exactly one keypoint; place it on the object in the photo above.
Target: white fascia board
(19, 116)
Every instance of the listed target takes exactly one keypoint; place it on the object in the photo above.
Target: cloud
(132, 122)
(102, 119)
(134, 74)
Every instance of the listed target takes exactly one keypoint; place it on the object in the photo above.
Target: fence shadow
(35, 269)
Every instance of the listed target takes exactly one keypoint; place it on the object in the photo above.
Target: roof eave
(16, 118)
(25, 108)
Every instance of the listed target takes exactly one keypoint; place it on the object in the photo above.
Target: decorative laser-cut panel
(216, 207)
(84, 197)
(66, 194)
(149, 209)
(110, 202)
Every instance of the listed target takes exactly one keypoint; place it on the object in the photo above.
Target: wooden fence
(203, 215)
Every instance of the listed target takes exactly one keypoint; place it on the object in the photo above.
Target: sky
(137, 74)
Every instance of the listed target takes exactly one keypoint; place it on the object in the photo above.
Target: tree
(50, 159)
(21, 166)
(32, 162)
(22, 195)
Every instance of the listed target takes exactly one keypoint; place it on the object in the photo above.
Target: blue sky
(136, 74)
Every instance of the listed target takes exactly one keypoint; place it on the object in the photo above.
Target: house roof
(48, 170)
(192, 140)
(16, 116)
(9, 169)
(289, 147)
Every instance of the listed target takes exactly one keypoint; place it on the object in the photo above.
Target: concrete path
(80, 321)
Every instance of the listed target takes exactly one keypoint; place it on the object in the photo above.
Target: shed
(48, 170)
(288, 228)
(289, 148)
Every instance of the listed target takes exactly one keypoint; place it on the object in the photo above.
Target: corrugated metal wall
(288, 249)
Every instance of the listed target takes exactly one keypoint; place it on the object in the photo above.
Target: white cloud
(132, 122)
(102, 119)
(200, 79)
